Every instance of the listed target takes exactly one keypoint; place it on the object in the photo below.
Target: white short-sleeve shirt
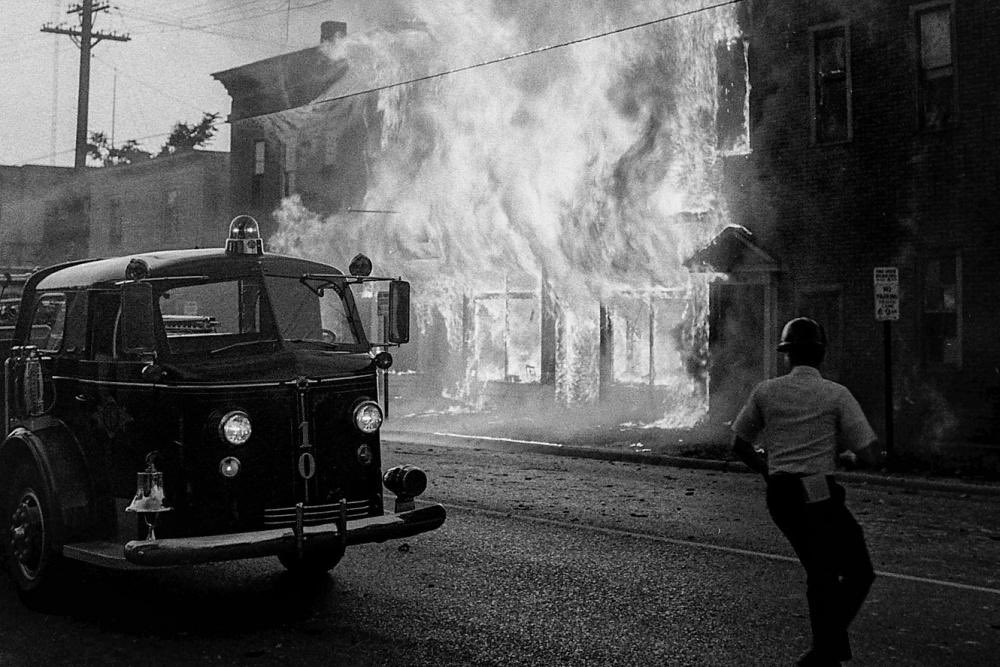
(803, 420)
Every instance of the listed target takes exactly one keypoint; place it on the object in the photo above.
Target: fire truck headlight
(229, 466)
(234, 427)
(368, 416)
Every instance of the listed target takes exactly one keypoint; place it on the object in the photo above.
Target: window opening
(935, 67)
(942, 316)
(831, 84)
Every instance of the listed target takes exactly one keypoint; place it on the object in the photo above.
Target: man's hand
(871, 455)
(848, 460)
(746, 453)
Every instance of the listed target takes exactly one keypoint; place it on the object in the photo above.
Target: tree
(182, 137)
(99, 147)
(187, 137)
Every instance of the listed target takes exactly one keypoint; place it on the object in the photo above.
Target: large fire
(591, 168)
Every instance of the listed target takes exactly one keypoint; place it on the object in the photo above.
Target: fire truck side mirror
(399, 312)
(136, 331)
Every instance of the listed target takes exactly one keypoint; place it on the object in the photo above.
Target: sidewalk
(677, 448)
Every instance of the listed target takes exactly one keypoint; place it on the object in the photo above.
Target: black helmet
(802, 332)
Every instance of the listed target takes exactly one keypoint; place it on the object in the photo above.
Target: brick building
(173, 201)
(322, 160)
(872, 125)
(55, 214)
(43, 215)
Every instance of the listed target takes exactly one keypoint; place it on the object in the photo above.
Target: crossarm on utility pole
(88, 38)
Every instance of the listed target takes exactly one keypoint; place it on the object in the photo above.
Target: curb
(461, 441)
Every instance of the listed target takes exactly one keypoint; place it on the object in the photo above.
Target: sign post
(886, 283)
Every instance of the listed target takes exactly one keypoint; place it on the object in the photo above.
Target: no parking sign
(886, 293)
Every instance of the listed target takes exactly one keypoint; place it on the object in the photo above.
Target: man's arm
(746, 453)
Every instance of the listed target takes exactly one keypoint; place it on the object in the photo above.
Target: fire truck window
(75, 331)
(49, 321)
(214, 315)
(103, 315)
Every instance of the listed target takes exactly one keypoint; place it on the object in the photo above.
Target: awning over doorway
(733, 250)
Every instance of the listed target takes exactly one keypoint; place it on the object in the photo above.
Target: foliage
(99, 147)
(186, 136)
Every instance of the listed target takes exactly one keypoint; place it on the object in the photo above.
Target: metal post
(887, 367)
(385, 371)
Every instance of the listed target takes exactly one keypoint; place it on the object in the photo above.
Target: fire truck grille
(313, 515)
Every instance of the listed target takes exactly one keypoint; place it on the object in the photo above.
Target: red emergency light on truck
(189, 406)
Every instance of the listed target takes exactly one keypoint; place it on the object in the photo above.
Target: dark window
(935, 67)
(942, 311)
(831, 84)
(257, 180)
(114, 224)
(171, 215)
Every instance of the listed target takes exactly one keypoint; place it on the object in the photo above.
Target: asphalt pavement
(479, 434)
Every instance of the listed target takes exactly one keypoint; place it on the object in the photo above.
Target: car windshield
(249, 314)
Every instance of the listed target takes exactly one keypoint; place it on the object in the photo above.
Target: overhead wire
(507, 58)
(486, 63)
(201, 27)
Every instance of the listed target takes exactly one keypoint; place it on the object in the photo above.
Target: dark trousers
(831, 547)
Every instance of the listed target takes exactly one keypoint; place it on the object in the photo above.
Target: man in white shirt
(798, 423)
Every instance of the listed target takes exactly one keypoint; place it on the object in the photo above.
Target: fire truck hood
(278, 366)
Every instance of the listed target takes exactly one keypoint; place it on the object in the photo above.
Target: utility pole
(86, 38)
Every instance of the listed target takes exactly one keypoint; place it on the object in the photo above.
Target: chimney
(330, 31)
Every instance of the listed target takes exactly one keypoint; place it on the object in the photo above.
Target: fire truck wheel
(32, 561)
(312, 562)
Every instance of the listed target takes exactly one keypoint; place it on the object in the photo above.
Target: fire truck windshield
(217, 317)
(309, 315)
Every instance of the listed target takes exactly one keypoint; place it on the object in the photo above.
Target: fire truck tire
(32, 560)
(312, 562)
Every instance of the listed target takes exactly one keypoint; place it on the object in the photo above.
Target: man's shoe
(813, 658)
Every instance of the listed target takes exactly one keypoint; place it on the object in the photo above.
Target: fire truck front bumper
(192, 550)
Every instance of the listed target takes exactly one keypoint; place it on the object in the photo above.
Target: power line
(502, 59)
(152, 87)
(183, 28)
(201, 27)
(70, 150)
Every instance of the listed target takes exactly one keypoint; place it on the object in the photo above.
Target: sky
(141, 88)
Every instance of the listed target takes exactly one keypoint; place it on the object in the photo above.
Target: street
(548, 560)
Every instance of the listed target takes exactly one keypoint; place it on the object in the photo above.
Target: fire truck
(191, 406)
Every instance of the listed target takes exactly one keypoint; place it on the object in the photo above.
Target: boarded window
(831, 84)
(936, 85)
(942, 311)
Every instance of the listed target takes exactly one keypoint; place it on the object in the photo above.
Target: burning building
(573, 192)
(542, 195)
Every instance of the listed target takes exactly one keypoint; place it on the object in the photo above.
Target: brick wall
(891, 195)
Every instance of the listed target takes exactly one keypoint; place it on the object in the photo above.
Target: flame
(593, 165)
